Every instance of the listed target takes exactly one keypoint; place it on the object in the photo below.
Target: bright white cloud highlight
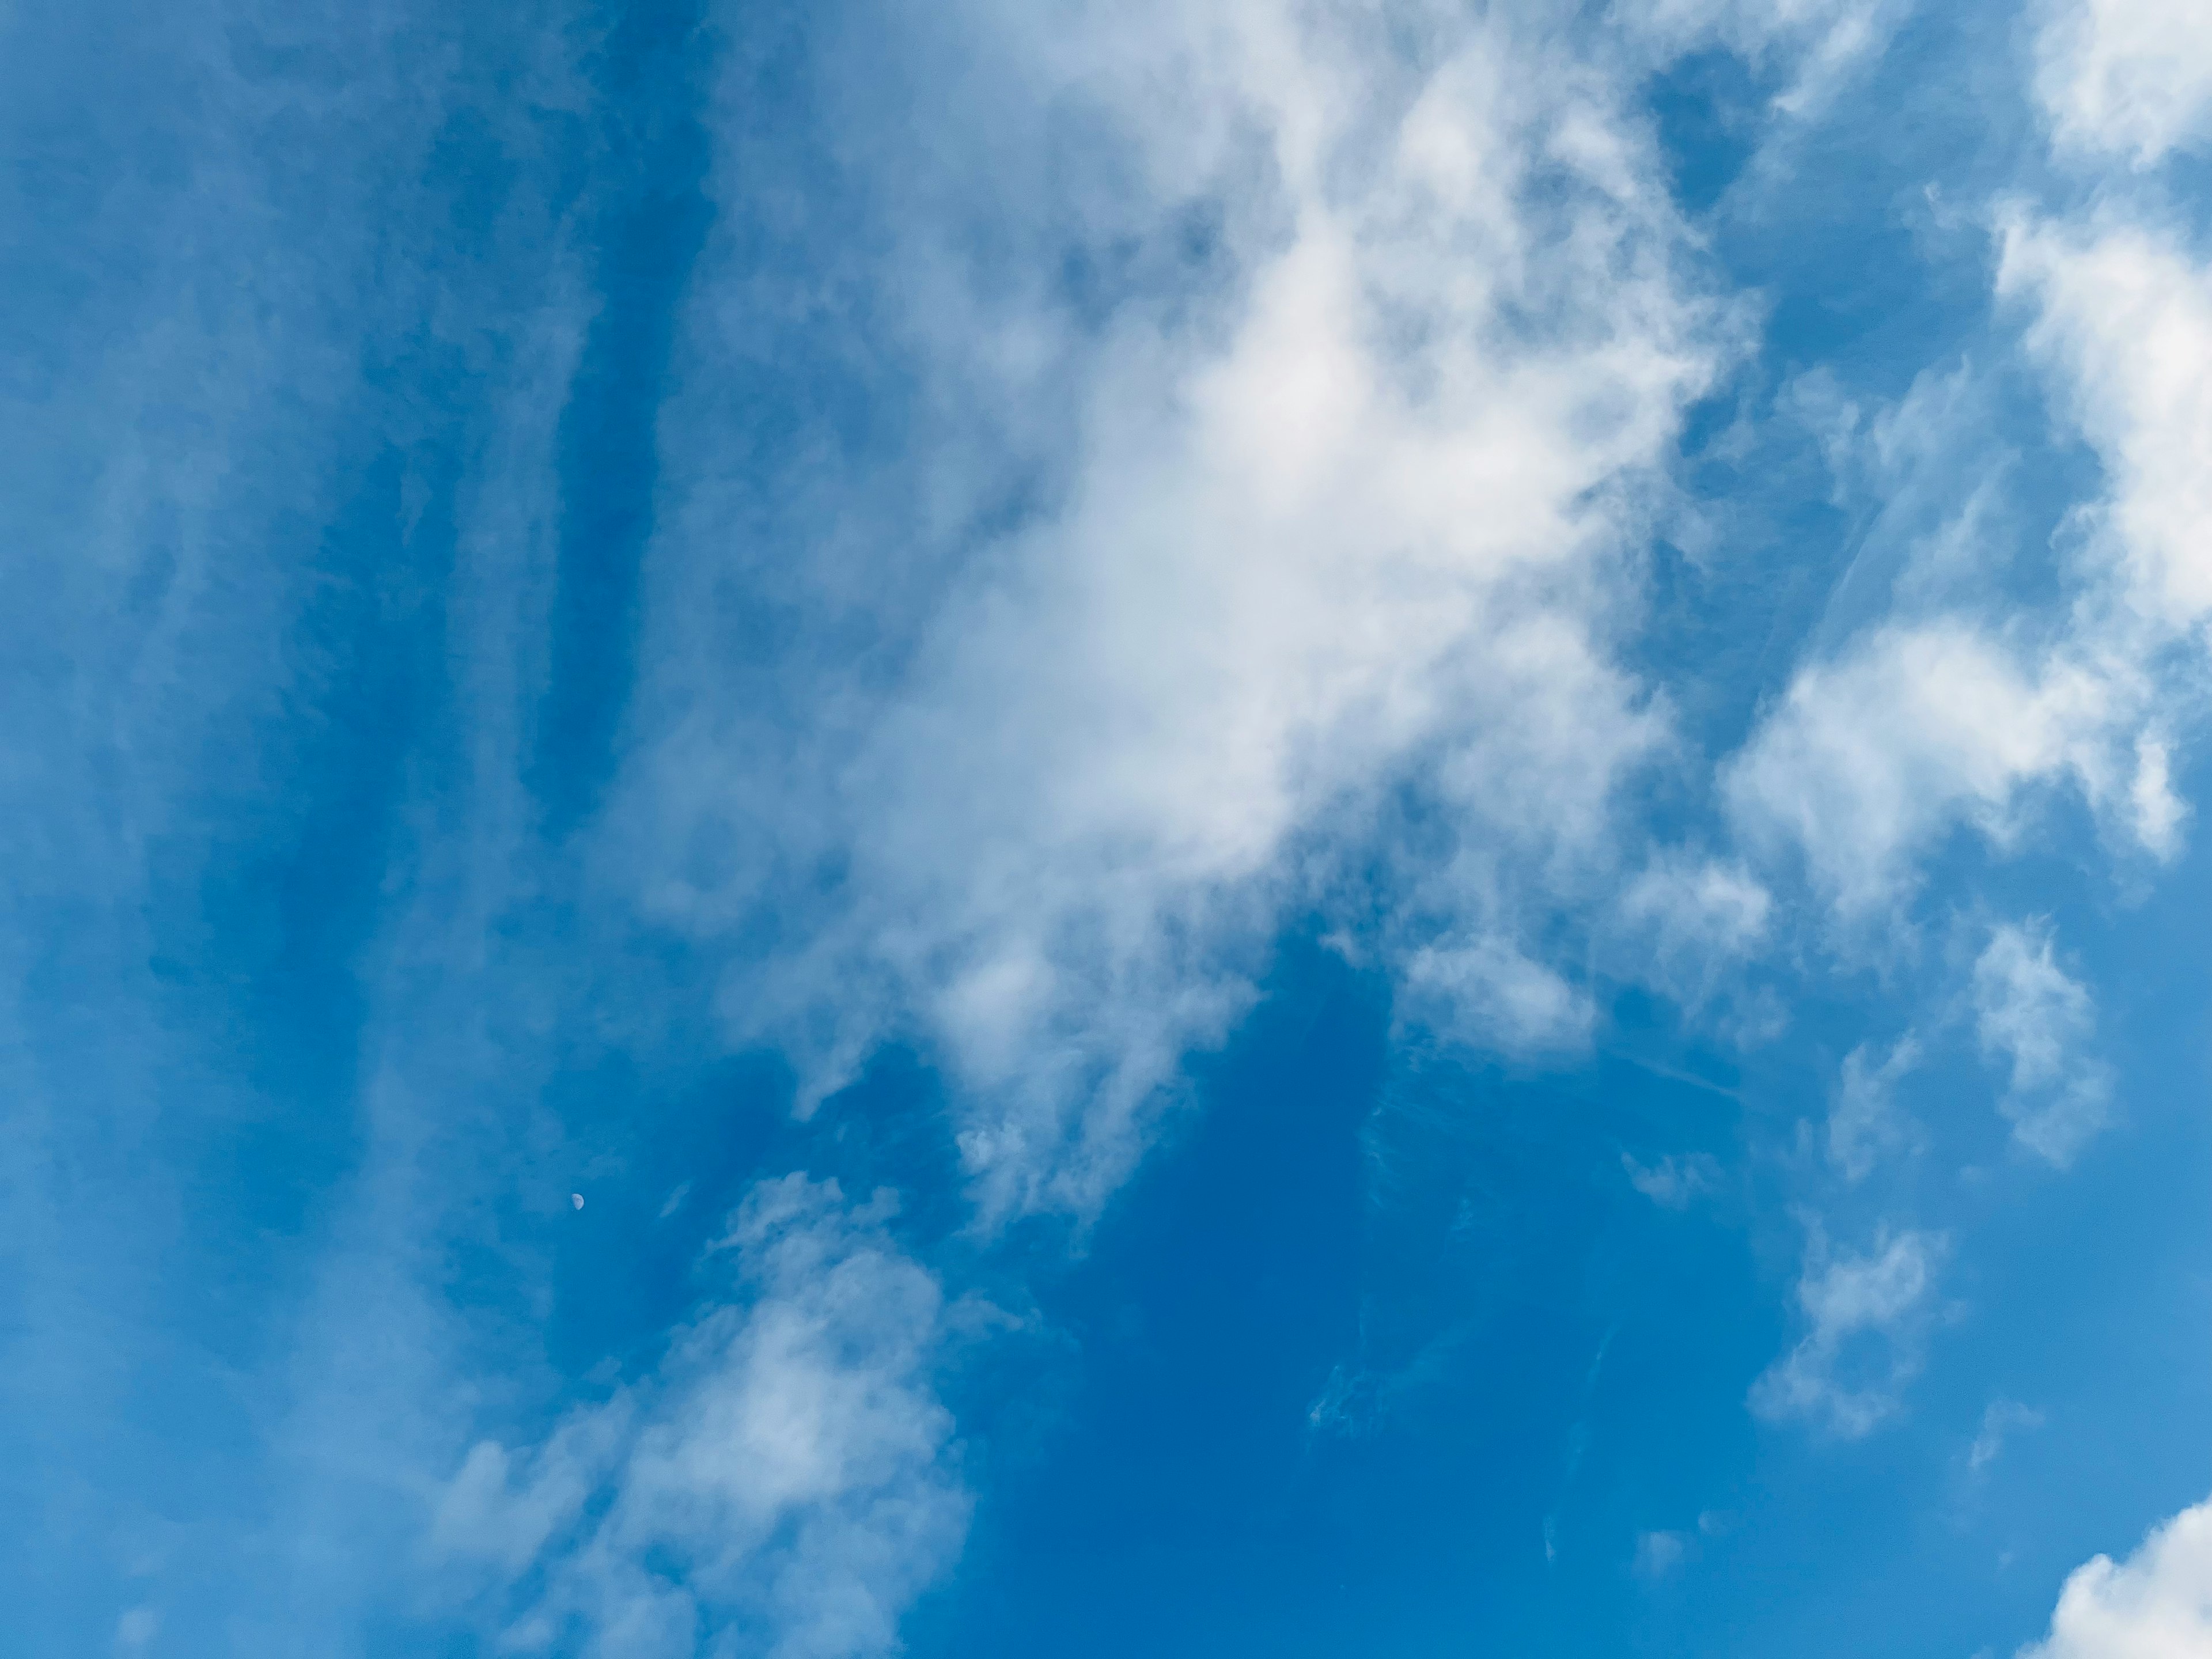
(1918, 727)
(1947, 715)
(2035, 1019)
(2123, 319)
(782, 1486)
(1349, 528)
(2129, 76)
(2156, 1605)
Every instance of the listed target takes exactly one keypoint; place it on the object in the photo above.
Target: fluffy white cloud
(2156, 1605)
(2132, 76)
(2034, 1017)
(1862, 1342)
(2122, 318)
(1919, 726)
(782, 1485)
(1334, 530)
(1957, 708)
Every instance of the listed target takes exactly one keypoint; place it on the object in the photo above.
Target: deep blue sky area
(1228, 828)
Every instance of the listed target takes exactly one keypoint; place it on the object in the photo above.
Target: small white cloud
(1864, 1123)
(1674, 1181)
(2156, 1605)
(1348, 1403)
(1658, 1554)
(2003, 1419)
(1490, 992)
(1700, 917)
(135, 1629)
(787, 1468)
(1860, 1346)
(2158, 812)
(2033, 1017)
(2123, 318)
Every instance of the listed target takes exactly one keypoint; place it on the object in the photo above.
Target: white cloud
(1491, 990)
(2033, 1016)
(2003, 1419)
(1340, 521)
(1960, 707)
(1694, 921)
(1674, 1182)
(2122, 319)
(2156, 1605)
(1659, 1553)
(2129, 76)
(2158, 813)
(1918, 727)
(1864, 1122)
(781, 1486)
(1862, 1342)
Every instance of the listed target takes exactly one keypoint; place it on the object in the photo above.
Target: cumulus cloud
(1334, 526)
(1860, 1346)
(2129, 76)
(2035, 1019)
(2156, 1605)
(1864, 1122)
(782, 1485)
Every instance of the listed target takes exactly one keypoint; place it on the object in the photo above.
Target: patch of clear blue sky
(1503, 1341)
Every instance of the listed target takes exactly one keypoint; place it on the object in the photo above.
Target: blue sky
(1228, 828)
